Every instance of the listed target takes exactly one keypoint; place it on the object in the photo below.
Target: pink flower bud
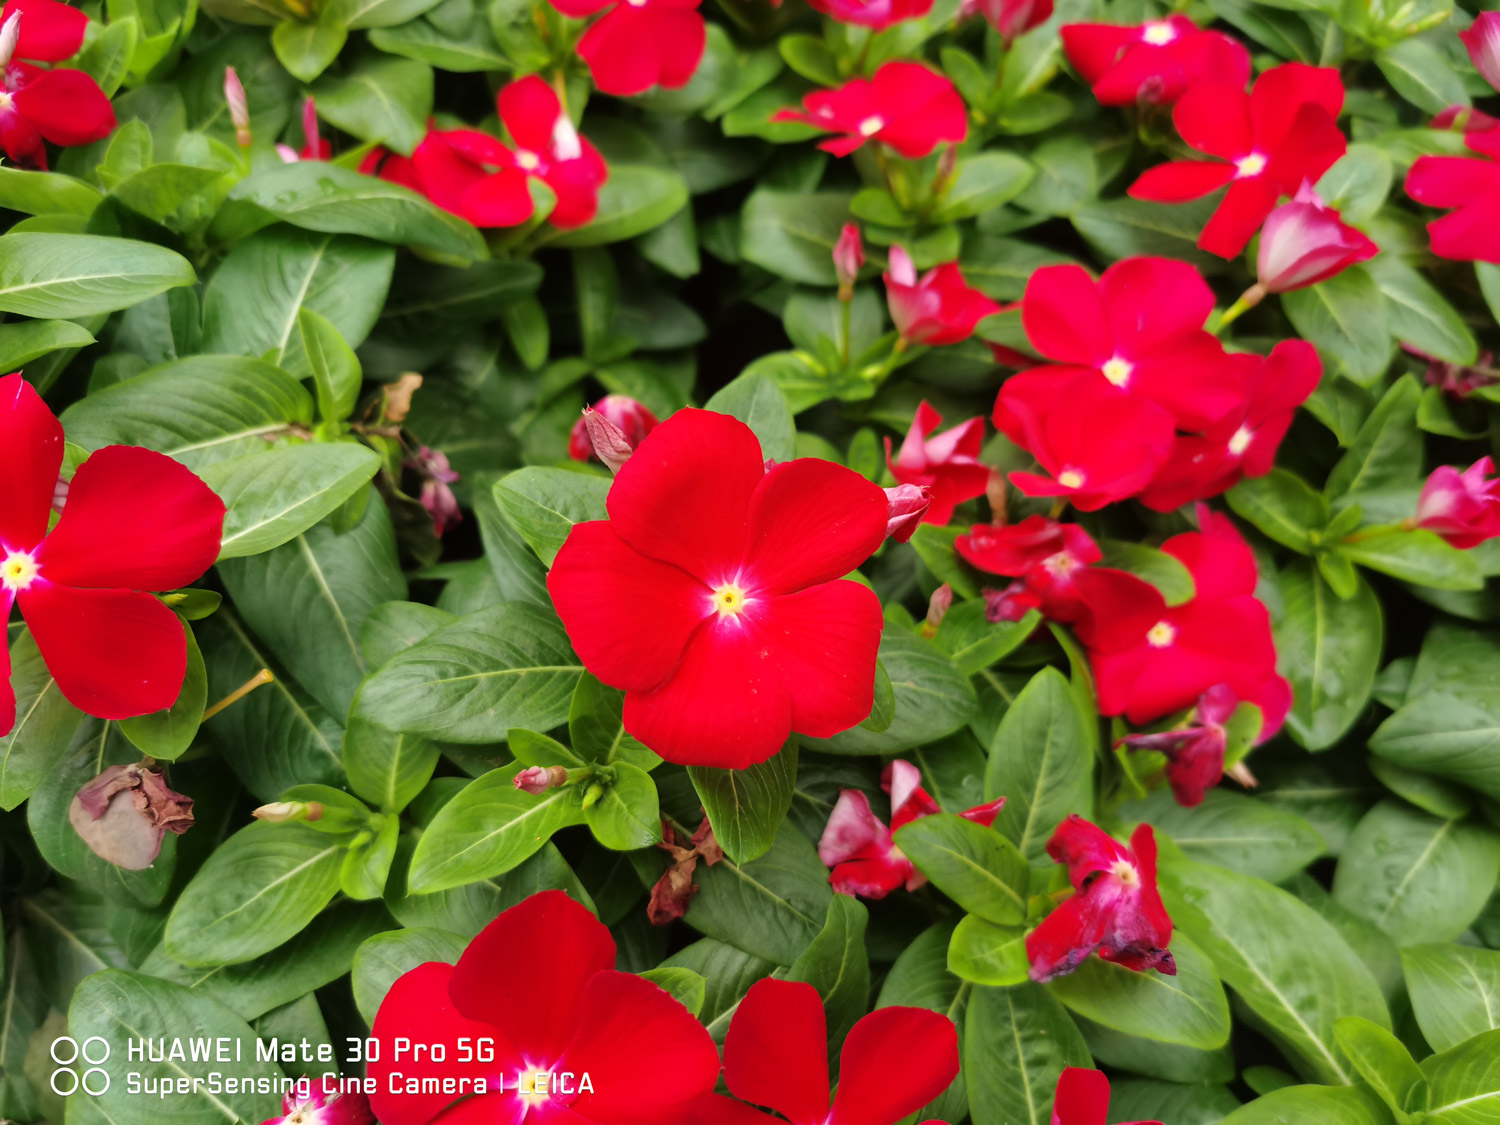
(1009, 18)
(937, 308)
(1304, 242)
(239, 106)
(908, 504)
(539, 779)
(10, 35)
(610, 430)
(124, 814)
(279, 812)
(436, 473)
(1483, 42)
(937, 608)
(848, 256)
(1462, 507)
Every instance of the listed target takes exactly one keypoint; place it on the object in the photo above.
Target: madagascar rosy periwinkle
(946, 465)
(39, 105)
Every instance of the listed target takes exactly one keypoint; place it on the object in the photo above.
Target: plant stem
(262, 677)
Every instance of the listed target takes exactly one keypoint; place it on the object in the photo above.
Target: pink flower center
(1162, 634)
(19, 570)
(1159, 33)
(1059, 564)
(1248, 166)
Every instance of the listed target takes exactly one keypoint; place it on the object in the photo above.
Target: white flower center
(1241, 440)
(1071, 478)
(1117, 371)
(1125, 871)
(1252, 165)
(1159, 33)
(871, 125)
(1059, 564)
(527, 161)
(18, 571)
(6, 101)
(1161, 634)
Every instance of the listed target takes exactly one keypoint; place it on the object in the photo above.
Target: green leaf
(68, 275)
(1416, 876)
(1127, 228)
(1416, 555)
(181, 196)
(792, 234)
(688, 988)
(274, 496)
(1329, 648)
(506, 666)
(381, 99)
(1149, 564)
(24, 341)
(46, 193)
(984, 953)
(1359, 183)
(974, 643)
(382, 958)
(1233, 831)
(975, 866)
(756, 401)
(1346, 318)
(355, 14)
(308, 49)
(1423, 74)
(1189, 1008)
(1382, 1060)
(1313, 1105)
(1420, 315)
(1387, 451)
(628, 815)
(44, 725)
(920, 979)
(636, 198)
(1017, 1041)
(1040, 762)
(259, 888)
(836, 964)
(1463, 1083)
(544, 504)
(107, 59)
(386, 768)
(335, 368)
(983, 182)
(1454, 989)
(745, 807)
(596, 726)
(1283, 960)
(420, 40)
(1067, 176)
(367, 863)
(1283, 506)
(488, 829)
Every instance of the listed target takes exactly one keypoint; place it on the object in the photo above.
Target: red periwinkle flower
(627, 415)
(1045, 554)
(1482, 39)
(60, 105)
(939, 307)
(1009, 18)
(1304, 242)
(134, 521)
(639, 43)
(712, 595)
(906, 105)
(1462, 507)
(1268, 142)
(1195, 753)
(948, 465)
(319, 1108)
(874, 14)
(1082, 1098)
(1153, 62)
(1471, 188)
(575, 1042)
(1244, 441)
(1116, 909)
(1151, 660)
(862, 852)
(314, 146)
(895, 1060)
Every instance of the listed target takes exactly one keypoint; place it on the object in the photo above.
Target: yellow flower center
(1252, 165)
(1159, 33)
(18, 571)
(870, 126)
(1125, 871)
(527, 161)
(1117, 371)
(1161, 634)
(729, 600)
(1241, 440)
(1070, 478)
(6, 101)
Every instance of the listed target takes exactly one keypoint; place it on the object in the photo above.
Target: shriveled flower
(909, 505)
(639, 44)
(1482, 40)
(1115, 910)
(124, 814)
(1082, 1098)
(37, 105)
(321, 1108)
(1009, 18)
(1045, 554)
(134, 521)
(874, 14)
(713, 594)
(1461, 506)
(947, 465)
(631, 420)
(437, 495)
(1195, 753)
(599, 1027)
(1456, 379)
(906, 105)
(1304, 242)
(862, 851)
(1153, 62)
(937, 308)
(674, 891)
(894, 1061)
(1266, 144)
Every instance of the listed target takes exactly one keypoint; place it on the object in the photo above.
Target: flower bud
(1304, 242)
(10, 35)
(279, 812)
(1462, 507)
(908, 504)
(1009, 18)
(937, 609)
(1483, 42)
(439, 500)
(539, 779)
(1010, 604)
(610, 430)
(995, 493)
(239, 107)
(124, 814)
(848, 258)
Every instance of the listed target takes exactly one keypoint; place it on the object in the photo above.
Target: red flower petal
(684, 495)
(576, 185)
(419, 1007)
(580, 9)
(1218, 558)
(1244, 207)
(1064, 939)
(680, 36)
(66, 107)
(811, 521)
(33, 440)
(1178, 181)
(529, 109)
(894, 1062)
(50, 32)
(136, 520)
(1451, 181)
(1082, 1098)
(1151, 300)
(629, 617)
(823, 642)
(548, 929)
(1092, 48)
(853, 831)
(7, 693)
(1311, 146)
(645, 1054)
(776, 1052)
(1470, 234)
(21, 142)
(631, 49)
(444, 173)
(1279, 95)
(1065, 318)
(114, 653)
(920, 107)
(1215, 118)
(501, 199)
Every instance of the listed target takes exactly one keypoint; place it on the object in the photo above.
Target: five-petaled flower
(604, 1048)
(937, 308)
(1153, 62)
(1267, 143)
(713, 593)
(1461, 506)
(1304, 242)
(320, 1108)
(894, 1061)
(1115, 909)
(907, 105)
(1047, 557)
(1082, 1098)
(947, 465)
(1470, 190)
(862, 851)
(63, 106)
(1195, 752)
(638, 44)
(134, 521)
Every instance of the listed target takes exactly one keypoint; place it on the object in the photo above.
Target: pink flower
(908, 507)
(639, 44)
(437, 497)
(1304, 242)
(319, 1108)
(848, 257)
(1116, 909)
(907, 105)
(1009, 18)
(1462, 507)
(630, 419)
(1082, 1098)
(1154, 62)
(1266, 142)
(947, 465)
(1195, 753)
(936, 309)
(862, 852)
(1045, 554)
(1482, 40)
(875, 14)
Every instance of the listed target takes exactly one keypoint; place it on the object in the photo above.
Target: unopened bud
(239, 107)
(608, 441)
(592, 795)
(1241, 773)
(10, 35)
(995, 492)
(947, 166)
(937, 609)
(848, 258)
(539, 779)
(279, 812)
(908, 503)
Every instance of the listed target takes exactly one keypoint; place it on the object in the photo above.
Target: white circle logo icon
(65, 1051)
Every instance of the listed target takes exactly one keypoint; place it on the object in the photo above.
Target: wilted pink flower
(848, 258)
(436, 496)
(1462, 507)
(1009, 18)
(1483, 42)
(1455, 378)
(630, 420)
(124, 814)
(1304, 242)
(314, 1107)
(939, 307)
(909, 503)
(1195, 753)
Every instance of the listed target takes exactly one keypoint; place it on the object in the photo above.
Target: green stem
(845, 329)
(1247, 301)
